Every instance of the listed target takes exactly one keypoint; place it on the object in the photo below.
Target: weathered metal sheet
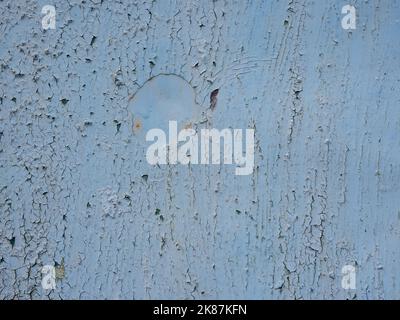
(77, 192)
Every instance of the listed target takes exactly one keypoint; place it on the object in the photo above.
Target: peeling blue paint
(76, 191)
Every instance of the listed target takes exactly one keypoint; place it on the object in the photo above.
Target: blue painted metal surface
(77, 192)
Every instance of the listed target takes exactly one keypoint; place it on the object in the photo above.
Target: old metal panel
(77, 192)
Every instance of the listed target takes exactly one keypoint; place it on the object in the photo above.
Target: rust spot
(60, 271)
(213, 99)
(137, 125)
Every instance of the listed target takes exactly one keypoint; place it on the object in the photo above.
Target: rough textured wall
(77, 192)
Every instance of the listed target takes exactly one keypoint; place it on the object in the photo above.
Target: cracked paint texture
(76, 191)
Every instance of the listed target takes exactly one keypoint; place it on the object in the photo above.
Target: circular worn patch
(162, 99)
